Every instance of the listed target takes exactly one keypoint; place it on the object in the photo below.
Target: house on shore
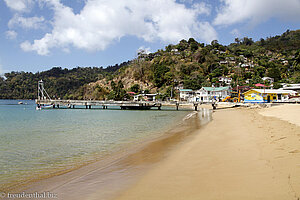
(186, 94)
(145, 97)
(267, 95)
(295, 87)
(206, 94)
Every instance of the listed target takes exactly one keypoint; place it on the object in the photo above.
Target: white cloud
(19, 5)
(202, 8)
(186, 1)
(1, 70)
(29, 22)
(144, 50)
(11, 34)
(256, 11)
(235, 32)
(102, 22)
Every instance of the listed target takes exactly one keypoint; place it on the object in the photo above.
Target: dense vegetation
(60, 83)
(188, 64)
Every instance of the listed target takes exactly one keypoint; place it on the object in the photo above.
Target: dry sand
(239, 155)
(290, 113)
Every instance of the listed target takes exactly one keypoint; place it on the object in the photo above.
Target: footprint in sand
(295, 151)
(279, 139)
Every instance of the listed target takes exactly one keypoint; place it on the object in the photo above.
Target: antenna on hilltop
(42, 93)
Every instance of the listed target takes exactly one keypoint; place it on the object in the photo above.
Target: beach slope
(239, 155)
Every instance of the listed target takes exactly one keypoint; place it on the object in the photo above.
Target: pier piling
(196, 106)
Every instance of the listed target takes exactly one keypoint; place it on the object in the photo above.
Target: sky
(36, 35)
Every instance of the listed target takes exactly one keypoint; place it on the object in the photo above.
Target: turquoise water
(34, 143)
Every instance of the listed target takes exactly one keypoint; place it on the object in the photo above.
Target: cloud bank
(11, 35)
(103, 22)
(256, 11)
(19, 5)
(27, 23)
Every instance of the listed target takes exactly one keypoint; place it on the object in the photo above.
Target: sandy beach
(241, 154)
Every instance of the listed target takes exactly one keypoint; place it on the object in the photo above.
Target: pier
(88, 104)
(44, 101)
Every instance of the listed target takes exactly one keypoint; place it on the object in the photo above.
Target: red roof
(261, 85)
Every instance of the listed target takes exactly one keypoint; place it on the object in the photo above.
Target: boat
(20, 102)
(40, 107)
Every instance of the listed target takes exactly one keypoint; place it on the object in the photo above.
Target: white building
(295, 87)
(144, 97)
(225, 80)
(206, 94)
(270, 80)
(175, 51)
(186, 94)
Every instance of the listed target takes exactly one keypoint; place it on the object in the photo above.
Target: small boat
(20, 102)
(40, 107)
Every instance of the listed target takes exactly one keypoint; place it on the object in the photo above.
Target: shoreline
(141, 157)
(240, 154)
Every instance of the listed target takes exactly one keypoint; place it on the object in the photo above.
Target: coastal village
(150, 100)
(268, 70)
(258, 94)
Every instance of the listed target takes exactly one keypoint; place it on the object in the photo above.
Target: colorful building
(267, 95)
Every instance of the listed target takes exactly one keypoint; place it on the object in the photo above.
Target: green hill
(188, 64)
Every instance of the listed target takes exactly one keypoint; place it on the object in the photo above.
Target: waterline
(35, 143)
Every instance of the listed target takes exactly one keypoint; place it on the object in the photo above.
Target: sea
(36, 143)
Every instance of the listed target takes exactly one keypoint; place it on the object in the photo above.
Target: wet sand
(239, 155)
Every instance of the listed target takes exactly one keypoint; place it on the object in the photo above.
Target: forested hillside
(60, 83)
(189, 64)
(192, 65)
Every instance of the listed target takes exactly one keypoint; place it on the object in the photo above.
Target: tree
(237, 40)
(169, 48)
(274, 72)
(135, 88)
(247, 41)
(215, 43)
(262, 41)
(183, 45)
(194, 47)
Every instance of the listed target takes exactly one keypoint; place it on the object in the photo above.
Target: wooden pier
(44, 101)
(136, 105)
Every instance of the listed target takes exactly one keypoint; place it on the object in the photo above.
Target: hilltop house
(175, 52)
(225, 80)
(270, 80)
(267, 95)
(186, 94)
(206, 94)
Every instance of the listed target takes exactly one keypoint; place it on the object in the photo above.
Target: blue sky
(36, 35)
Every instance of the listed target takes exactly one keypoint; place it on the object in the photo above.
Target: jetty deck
(104, 104)
(44, 100)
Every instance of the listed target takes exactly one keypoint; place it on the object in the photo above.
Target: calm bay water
(34, 143)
